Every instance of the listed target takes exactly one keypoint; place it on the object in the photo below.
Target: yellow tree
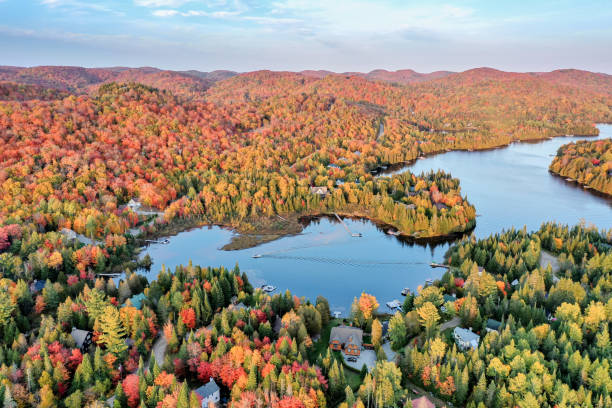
(428, 317)
(112, 331)
(376, 333)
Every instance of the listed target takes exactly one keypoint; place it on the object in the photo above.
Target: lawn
(320, 347)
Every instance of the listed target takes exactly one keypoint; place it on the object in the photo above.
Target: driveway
(159, 349)
(546, 258)
(367, 357)
(388, 352)
(454, 322)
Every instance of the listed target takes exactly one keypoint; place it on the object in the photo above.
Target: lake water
(510, 186)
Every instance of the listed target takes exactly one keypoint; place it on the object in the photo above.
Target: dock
(437, 265)
(352, 234)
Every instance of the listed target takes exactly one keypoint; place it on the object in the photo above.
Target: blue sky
(339, 35)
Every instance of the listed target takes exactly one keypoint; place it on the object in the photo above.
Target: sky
(337, 35)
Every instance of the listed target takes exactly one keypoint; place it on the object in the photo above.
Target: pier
(437, 265)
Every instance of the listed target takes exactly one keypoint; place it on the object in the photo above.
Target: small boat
(268, 288)
(405, 291)
(393, 232)
(356, 234)
(428, 281)
(394, 304)
(569, 179)
(421, 157)
(256, 256)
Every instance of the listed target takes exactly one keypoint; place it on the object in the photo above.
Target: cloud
(165, 13)
(159, 3)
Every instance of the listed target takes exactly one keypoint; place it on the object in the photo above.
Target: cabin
(339, 182)
(346, 338)
(466, 339)
(493, 325)
(515, 282)
(422, 402)
(333, 166)
(208, 393)
(320, 191)
(82, 338)
(441, 206)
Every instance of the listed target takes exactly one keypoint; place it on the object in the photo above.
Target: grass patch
(320, 346)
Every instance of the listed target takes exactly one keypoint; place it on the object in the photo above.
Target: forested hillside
(92, 161)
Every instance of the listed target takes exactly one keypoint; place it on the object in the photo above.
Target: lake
(510, 186)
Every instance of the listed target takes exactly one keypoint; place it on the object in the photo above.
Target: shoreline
(245, 239)
(394, 167)
(577, 183)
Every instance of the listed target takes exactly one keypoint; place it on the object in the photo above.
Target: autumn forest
(96, 162)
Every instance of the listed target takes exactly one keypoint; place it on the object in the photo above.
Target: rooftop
(207, 389)
(347, 334)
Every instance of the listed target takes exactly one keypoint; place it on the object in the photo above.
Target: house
(493, 325)
(208, 393)
(320, 191)
(449, 298)
(82, 338)
(441, 206)
(515, 282)
(422, 402)
(133, 205)
(339, 182)
(347, 338)
(465, 338)
(333, 166)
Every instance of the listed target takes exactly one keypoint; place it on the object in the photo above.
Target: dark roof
(449, 298)
(207, 389)
(493, 324)
(347, 335)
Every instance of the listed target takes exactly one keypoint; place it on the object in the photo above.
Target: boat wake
(339, 261)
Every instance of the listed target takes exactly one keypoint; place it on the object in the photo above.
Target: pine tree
(112, 331)
(183, 397)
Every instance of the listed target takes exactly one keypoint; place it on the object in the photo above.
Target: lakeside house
(493, 325)
(346, 338)
(82, 338)
(208, 394)
(466, 339)
(320, 191)
(422, 402)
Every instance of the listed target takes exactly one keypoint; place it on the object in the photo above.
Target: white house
(466, 339)
(208, 393)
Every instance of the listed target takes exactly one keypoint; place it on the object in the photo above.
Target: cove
(510, 187)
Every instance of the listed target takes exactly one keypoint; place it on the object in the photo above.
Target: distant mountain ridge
(196, 83)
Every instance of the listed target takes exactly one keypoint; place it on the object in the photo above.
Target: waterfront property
(465, 338)
(346, 338)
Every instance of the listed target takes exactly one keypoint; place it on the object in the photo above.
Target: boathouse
(346, 338)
